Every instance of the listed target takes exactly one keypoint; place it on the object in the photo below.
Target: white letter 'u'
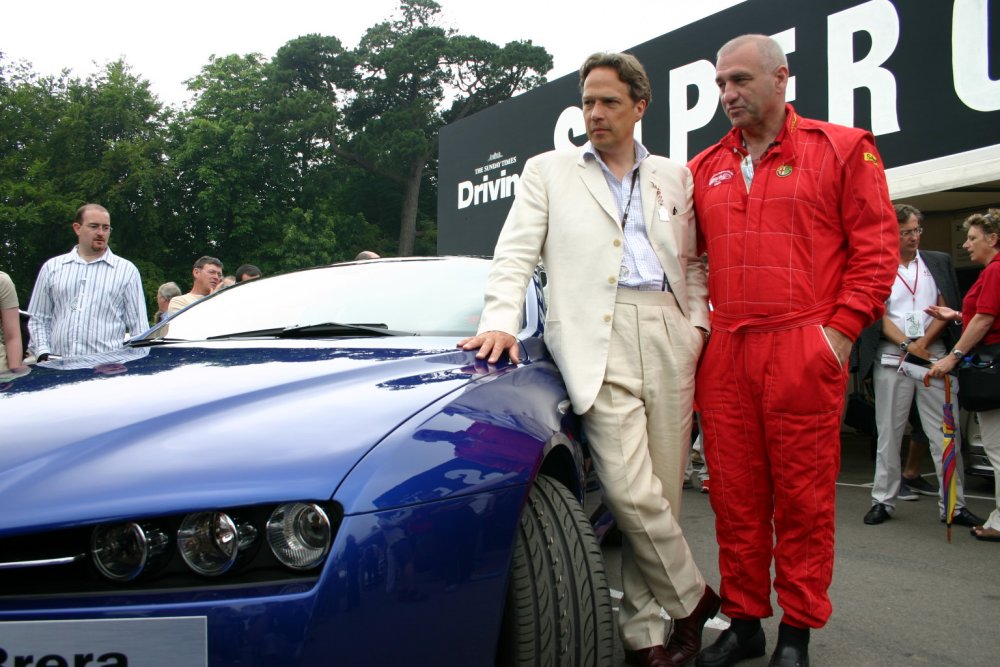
(970, 56)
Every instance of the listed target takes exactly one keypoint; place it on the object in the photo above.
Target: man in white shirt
(923, 279)
(207, 274)
(84, 302)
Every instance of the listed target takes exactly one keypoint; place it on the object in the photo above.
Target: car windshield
(429, 297)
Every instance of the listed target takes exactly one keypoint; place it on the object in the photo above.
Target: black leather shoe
(963, 517)
(789, 656)
(727, 650)
(877, 514)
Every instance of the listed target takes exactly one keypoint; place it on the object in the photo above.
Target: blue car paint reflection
(429, 452)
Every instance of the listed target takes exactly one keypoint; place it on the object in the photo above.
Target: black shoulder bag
(979, 379)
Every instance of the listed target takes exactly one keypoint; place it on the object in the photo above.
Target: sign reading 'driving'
(922, 76)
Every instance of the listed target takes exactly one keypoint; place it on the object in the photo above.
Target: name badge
(913, 325)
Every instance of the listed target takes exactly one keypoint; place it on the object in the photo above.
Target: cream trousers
(639, 433)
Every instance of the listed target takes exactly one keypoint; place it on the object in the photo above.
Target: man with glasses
(84, 302)
(207, 272)
(924, 278)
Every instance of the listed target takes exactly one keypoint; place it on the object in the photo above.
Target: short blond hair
(989, 222)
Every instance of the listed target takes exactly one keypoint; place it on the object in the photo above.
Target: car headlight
(123, 551)
(210, 542)
(299, 534)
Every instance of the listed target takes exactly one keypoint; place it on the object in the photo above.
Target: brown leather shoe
(685, 640)
(654, 656)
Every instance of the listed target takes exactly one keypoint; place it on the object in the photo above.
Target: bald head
(772, 56)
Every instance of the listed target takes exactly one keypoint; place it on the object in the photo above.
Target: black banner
(924, 76)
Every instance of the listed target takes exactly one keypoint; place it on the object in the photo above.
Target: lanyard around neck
(628, 204)
(916, 279)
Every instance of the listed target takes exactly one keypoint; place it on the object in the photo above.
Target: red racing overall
(812, 242)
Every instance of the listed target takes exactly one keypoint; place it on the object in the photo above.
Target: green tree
(307, 157)
(224, 174)
(111, 139)
(66, 141)
(256, 178)
(30, 108)
(411, 78)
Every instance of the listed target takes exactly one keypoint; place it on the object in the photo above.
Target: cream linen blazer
(565, 214)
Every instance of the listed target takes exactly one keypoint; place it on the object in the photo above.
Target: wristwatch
(905, 344)
(957, 353)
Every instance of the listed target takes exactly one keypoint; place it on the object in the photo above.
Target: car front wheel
(558, 609)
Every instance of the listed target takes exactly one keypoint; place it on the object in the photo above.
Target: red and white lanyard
(916, 279)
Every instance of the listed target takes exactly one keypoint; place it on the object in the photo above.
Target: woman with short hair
(164, 294)
(980, 325)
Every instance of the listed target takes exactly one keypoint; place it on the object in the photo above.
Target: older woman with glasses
(980, 325)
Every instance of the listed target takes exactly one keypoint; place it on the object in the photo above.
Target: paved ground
(902, 595)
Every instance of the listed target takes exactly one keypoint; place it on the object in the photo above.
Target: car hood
(182, 426)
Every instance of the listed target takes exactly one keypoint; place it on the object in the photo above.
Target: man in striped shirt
(85, 301)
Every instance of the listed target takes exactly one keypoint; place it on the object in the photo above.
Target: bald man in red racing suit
(801, 239)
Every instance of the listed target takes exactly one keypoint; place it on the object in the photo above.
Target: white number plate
(136, 642)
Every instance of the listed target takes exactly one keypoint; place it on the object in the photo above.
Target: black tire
(558, 609)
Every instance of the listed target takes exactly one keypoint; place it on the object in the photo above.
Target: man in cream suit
(627, 318)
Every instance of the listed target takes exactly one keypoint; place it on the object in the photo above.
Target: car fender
(494, 432)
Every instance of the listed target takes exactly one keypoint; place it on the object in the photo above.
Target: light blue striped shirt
(79, 307)
(640, 267)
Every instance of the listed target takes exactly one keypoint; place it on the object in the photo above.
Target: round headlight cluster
(123, 551)
(210, 542)
(299, 534)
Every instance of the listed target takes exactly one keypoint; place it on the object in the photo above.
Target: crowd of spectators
(90, 300)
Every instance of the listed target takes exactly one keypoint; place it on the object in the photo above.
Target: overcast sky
(168, 43)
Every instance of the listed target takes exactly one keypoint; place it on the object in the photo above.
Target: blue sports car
(302, 470)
